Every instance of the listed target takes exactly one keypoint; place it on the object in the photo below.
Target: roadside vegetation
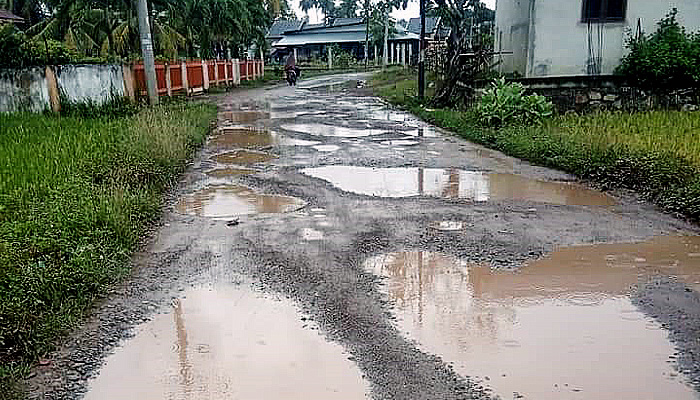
(77, 193)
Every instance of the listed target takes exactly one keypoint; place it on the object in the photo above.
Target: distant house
(433, 29)
(312, 41)
(7, 16)
(550, 38)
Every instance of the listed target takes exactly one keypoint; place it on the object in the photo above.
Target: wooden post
(185, 83)
(168, 80)
(52, 83)
(128, 75)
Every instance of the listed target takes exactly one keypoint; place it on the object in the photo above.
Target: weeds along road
(325, 246)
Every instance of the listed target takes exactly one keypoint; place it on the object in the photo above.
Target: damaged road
(324, 245)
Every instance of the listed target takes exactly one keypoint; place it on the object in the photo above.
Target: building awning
(320, 38)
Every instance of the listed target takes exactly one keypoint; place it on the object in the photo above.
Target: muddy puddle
(242, 117)
(225, 201)
(222, 173)
(242, 157)
(326, 148)
(561, 328)
(217, 343)
(332, 130)
(287, 141)
(454, 183)
(231, 138)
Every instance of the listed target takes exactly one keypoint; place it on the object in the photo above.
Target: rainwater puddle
(331, 130)
(427, 131)
(222, 173)
(245, 116)
(242, 157)
(225, 201)
(287, 141)
(448, 226)
(454, 183)
(561, 328)
(326, 148)
(400, 142)
(230, 138)
(311, 234)
(217, 344)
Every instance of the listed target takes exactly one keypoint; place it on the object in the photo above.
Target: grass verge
(76, 193)
(656, 153)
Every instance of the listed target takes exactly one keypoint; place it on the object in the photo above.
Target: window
(604, 10)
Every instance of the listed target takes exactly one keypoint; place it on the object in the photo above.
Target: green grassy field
(656, 153)
(76, 194)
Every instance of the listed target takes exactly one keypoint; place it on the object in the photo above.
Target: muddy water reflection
(230, 138)
(217, 344)
(454, 183)
(244, 116)
(561, 328)
(222, 173)
(331, 130)
(242, 157)
(222, 201)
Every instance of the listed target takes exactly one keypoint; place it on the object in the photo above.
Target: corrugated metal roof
(315, 38)
(430, 23)
(6, 15)
(347, 21)
(283, 25)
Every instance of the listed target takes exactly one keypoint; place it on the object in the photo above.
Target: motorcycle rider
(291, 66)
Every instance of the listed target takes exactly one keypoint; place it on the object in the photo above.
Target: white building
(577, 37)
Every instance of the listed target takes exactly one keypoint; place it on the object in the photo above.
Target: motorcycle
(291, 77)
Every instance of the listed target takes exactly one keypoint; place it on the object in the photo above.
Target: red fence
(197, 75)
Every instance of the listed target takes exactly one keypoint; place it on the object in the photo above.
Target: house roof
(316, 38)
(283, 25)
(347, 21)
(430, 25)
(6, 15)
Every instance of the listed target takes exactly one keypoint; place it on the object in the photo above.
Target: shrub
(506, 103)
(17, 50)
(667, 59)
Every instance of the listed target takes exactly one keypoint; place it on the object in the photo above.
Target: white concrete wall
(559, 44)
(27, 89)
(513, 34)
(23, 90)
(93, 83)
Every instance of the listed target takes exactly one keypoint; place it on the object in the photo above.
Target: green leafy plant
(342, 59)
(506, 103)
(668, 59)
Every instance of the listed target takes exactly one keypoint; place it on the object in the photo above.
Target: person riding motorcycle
(291, 67)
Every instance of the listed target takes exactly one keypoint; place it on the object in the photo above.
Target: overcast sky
(410, 12)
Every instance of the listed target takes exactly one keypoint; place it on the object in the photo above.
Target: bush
(17, 50)
(342, 59)
(505, 103)
(666, 60)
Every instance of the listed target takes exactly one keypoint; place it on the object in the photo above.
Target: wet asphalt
(299, 186)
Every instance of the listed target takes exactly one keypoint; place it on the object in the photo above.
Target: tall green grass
(656, 153)
(75, 195)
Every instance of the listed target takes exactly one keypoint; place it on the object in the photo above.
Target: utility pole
(421, 54)
(149, 64)
(386, 39)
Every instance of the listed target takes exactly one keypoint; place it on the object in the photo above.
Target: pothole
(242, 157)
(225, 201)
(332, 130)
(222, 173)
(326, 148)
(229, 138)
(454, 183)
(217, 343)
(562, 327)
(244, 116)
(448, 226)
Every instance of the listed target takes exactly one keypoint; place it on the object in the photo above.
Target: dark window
(604, 10)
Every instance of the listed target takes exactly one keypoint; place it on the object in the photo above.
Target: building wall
(559, 44)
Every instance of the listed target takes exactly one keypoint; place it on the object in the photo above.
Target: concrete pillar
(376, 55)
(262, 67)
(168, 81)
(52, 83)
(226, 72)
(205, 75)
(296, 59)
(330, 57)
(236, 67)
(128, 75)
(185, 83)
(403, 54)
(410, 53)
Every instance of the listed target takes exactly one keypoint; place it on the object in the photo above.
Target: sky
(410, 12)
